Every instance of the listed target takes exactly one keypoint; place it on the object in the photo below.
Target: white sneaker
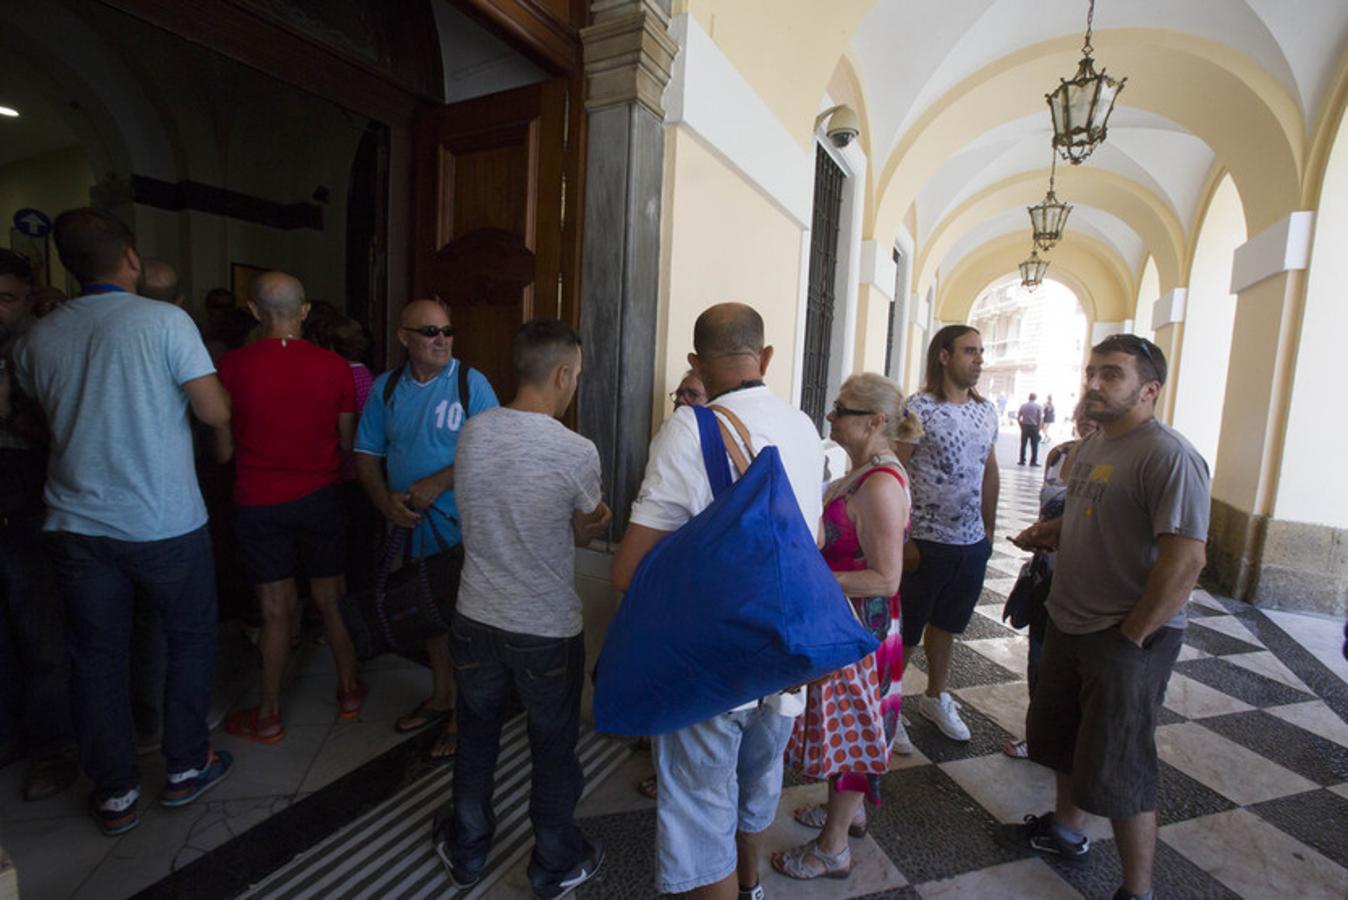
(944, 711)
(901, 744)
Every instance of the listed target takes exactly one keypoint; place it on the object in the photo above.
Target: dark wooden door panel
(490, 236)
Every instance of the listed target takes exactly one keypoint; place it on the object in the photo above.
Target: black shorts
(1094, 713)
(945, 588)
(303, 537)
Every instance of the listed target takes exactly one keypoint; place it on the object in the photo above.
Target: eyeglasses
(840, 410)
(687, 394)
(430, 331)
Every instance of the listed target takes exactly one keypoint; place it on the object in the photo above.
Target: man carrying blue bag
(720, 779)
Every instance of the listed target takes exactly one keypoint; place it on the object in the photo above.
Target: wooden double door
(497, 188)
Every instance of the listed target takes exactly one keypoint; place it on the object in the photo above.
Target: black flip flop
(428, 714)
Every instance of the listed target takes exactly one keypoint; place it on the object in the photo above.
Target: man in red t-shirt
(294, 411)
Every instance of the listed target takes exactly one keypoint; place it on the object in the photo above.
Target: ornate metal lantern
(1049, 217)
(1080, 107)
(1032, 271)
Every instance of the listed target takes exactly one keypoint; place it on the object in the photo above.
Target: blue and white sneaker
(184, 787)
(116, 815)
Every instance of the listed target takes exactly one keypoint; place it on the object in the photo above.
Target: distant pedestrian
(1031, 418)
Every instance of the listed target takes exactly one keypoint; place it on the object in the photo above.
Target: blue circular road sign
(32, 222)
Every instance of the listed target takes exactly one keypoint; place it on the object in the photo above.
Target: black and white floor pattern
(1254, 785)
(387, 852)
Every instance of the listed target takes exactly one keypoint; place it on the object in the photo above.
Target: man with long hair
(953, 468)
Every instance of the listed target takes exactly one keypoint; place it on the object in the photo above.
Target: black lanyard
(743, 386)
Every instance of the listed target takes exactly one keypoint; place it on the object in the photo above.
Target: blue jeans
(548, 674)
(99, 579)
(147, 669)
(34, 674)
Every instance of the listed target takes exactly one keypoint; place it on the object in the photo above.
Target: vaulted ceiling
(958, 131)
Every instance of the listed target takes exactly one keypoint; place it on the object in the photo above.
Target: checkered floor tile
(1254, 772)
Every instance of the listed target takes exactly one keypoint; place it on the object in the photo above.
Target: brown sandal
(649, 788)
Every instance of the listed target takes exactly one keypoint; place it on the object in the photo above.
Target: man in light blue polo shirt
(414, 431)
(115, 374)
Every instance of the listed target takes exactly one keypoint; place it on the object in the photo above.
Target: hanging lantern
(1080, 107)
(1032, 271)
(1048, 218)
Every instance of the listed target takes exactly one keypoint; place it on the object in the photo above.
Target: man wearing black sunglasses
(410, 426)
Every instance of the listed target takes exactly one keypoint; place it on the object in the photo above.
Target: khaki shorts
(1094, 713)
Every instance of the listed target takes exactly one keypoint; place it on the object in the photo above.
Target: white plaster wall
(1147, 292)
(1209, 318)
(1311, 485)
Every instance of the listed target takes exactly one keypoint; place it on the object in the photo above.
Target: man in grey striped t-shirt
(528, 490)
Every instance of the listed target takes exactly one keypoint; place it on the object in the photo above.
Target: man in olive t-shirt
(1130, 548)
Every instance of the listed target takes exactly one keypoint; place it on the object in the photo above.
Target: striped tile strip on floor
(387, 852)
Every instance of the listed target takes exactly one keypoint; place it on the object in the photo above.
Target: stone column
(1167, 325)
(628, 55)
(1251, 555)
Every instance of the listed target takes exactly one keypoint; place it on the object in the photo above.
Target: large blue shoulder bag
(736, 605)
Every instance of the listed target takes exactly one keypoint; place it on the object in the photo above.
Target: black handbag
(1025, 605)
(407, 606)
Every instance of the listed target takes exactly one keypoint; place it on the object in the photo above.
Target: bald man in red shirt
(294, 412)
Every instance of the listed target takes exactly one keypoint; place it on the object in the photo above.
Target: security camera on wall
(842, 127)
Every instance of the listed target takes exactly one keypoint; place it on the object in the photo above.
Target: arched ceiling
(958, 131)
(1097, 276)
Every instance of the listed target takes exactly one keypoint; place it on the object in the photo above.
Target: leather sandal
(816, 816)
(808, 862)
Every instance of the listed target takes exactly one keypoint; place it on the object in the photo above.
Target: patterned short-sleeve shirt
(947, 469)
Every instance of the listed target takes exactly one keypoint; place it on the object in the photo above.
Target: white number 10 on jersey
(447, 415)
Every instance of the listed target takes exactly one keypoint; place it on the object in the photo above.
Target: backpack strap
(392, 384)
(465, 398)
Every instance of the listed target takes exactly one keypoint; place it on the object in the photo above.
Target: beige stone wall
(724, 240)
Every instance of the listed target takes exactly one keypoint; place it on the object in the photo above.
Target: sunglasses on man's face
(430, 331)
(840, 410)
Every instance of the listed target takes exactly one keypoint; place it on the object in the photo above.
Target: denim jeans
(34, 673)
(147, 669)
(99, 579)
(548, 674)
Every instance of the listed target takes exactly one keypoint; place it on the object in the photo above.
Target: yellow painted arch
(1090, 268)
(1220, 95)
(786, 49)
(1138, 207)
